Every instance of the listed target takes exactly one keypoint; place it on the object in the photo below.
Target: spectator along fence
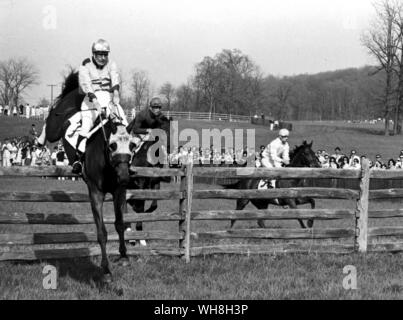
(186, 240)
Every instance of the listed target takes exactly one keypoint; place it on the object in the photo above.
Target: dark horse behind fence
(106, 165)
(142, 159)
(301, 156)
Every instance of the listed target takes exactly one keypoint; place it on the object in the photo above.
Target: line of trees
(230, 82)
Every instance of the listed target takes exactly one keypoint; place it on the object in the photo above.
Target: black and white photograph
(201, 157)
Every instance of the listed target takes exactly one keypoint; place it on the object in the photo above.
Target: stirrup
(77, 167)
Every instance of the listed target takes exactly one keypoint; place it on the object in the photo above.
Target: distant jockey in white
(99, 81)
(277, 152)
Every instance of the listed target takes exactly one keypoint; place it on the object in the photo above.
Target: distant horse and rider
(301, 156)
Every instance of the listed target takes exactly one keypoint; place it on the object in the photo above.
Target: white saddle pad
(74, 130)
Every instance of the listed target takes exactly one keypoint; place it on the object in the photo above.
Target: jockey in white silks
(99, 81)
(277, 152)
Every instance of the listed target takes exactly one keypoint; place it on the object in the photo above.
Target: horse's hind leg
(240, 205)
(119, 203)
(97, 201)
(310, 221)
(260, 205)
(138, 207)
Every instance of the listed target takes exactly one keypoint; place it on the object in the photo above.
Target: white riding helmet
(100, 45)
(284, 133)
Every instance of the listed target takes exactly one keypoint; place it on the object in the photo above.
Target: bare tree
(16, 75)
(398, 68)
(168, 91)
(382, 42)
(205, 81)
(184, 96)
(141, 87)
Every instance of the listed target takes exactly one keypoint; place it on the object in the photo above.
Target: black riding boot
(78, 162)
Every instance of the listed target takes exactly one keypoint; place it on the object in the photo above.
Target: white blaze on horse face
(122, 139)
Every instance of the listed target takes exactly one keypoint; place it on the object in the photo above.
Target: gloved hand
(97, 106)
(116, 99)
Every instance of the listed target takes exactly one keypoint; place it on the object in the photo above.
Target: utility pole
(51, 92)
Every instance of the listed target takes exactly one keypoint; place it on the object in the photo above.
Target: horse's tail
(70, 83)
(67, 104)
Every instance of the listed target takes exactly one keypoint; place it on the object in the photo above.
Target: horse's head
(304, 156)
(120, 149)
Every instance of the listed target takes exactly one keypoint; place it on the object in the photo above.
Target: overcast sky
(167, 38)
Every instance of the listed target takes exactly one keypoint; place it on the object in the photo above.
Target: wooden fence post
(188, 218)
(362, 209)
(185, 209)
(182, 202)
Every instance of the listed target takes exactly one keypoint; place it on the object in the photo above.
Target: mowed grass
(280, 276)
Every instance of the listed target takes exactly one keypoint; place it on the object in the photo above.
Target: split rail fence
(186, 238)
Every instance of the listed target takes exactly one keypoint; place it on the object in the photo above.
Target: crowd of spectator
(21, 152)
(229, 157)
(25, 151)
(26, 111)
(340, 160)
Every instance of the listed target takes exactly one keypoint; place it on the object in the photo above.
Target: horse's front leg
(292, 203)
(240, 205)
(155, 185)
(120, 206)
(97, 201)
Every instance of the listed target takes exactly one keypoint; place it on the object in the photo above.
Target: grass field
(289, 276)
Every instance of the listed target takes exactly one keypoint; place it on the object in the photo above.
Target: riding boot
(78, 163)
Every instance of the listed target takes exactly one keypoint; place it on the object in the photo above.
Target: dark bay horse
(142, 158)
(106, 166)
(301, 156)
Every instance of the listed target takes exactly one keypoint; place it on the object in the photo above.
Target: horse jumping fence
(185, 240)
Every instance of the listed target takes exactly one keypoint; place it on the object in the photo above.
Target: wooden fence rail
(357, 237)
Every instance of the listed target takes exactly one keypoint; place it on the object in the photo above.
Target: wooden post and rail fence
(185, 241)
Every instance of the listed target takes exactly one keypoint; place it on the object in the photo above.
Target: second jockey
(277, 152)
(100, 82)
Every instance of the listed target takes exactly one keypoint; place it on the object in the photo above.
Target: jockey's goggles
(101, 53)
(283, 136)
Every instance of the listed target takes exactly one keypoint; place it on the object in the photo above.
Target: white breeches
(266, 163)
(89, 114)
